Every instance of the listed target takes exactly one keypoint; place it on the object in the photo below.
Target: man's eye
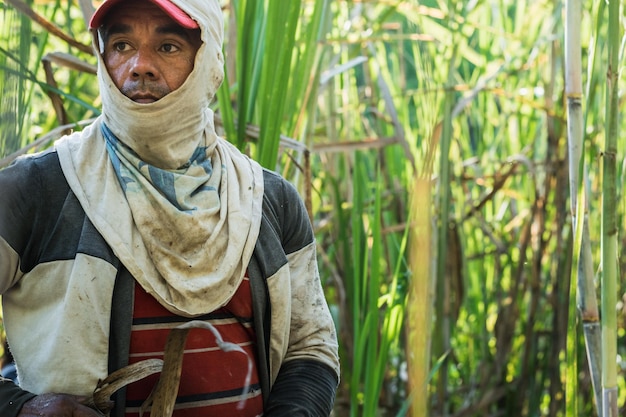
(168, 47)
(120, 46)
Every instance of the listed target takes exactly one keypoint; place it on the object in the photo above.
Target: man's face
(146, 53)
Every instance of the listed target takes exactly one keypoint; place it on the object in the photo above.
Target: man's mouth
(143, 98)
(144, 92)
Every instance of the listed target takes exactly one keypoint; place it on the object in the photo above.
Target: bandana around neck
(184, 217)
(192, 187)
(186, 235)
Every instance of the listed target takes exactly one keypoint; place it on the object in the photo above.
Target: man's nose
(143, 64)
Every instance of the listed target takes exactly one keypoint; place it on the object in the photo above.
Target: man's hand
(57, 405)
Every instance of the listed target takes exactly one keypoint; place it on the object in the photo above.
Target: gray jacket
(44, 229)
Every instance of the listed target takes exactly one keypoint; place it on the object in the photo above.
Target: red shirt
(212, 381)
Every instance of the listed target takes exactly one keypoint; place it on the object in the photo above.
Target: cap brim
(167, 6)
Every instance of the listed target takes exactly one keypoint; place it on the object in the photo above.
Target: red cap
(167, 6)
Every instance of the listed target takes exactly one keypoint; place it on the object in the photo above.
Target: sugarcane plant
(609, 218)
(601, 351)
(582, 290)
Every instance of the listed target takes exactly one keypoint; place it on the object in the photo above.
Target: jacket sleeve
(304, 388)
(307, 380)
(18, 184)
(14, 232)
(12, 398)
(298, 349)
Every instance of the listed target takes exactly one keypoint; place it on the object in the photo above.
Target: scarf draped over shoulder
(186, 235)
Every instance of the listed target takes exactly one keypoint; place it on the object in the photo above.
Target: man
(145, 220)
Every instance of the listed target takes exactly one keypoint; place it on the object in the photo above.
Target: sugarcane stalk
(609, 219)
(582, 286)
(420, 306)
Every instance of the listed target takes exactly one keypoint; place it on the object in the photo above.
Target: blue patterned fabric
(180, 187)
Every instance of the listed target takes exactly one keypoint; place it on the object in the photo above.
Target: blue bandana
(181, 187)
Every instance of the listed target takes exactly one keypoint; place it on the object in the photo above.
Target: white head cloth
(191, 260)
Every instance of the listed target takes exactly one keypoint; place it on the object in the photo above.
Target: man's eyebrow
(106, 31)
(174, 29)
(116, 28)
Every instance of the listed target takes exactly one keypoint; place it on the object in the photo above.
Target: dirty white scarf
(180, 207)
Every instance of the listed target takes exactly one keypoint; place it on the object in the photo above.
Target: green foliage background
(372, 97)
